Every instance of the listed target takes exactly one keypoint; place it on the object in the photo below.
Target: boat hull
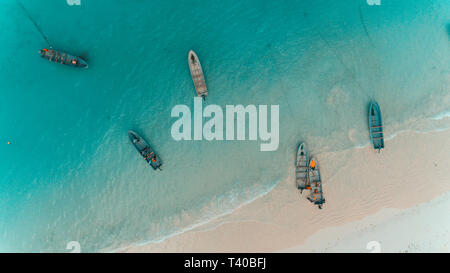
(197, 75)
(62, 58)
(315, 182)
(376, 126)
(301, 168)
(145, 150)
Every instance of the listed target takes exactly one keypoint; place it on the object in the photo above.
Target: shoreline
(282, 218)
(193, 227)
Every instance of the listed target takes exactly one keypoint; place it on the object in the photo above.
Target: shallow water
(71, 174)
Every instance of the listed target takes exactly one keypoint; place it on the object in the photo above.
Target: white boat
(197, 75)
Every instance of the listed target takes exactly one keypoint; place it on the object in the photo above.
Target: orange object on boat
(313, 164)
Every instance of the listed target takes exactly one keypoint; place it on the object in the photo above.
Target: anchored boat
(376, 126)
(315, 182)
(197, 75)
(145, 150)
(51, 54)
(301, 168)
(62, 58)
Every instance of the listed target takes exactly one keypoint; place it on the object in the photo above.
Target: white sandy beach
(369, 196)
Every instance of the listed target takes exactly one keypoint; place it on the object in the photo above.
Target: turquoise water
(71, 174)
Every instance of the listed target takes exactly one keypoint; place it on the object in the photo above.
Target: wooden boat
(197, 75)
(62, 58)
(145, 150)
(376, 126)
(301, 168)
(315, 182)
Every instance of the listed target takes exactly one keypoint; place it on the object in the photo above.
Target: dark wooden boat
(376, 126)
(145, 150)
(62, 58)
(315, 182)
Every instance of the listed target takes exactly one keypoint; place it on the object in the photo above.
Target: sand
(422, 228)
(361, 187)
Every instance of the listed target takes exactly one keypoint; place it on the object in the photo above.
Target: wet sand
(360, 186)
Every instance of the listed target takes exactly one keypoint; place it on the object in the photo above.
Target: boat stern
(81, 63)
(156, 164)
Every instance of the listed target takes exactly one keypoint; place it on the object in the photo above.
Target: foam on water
(71, 174)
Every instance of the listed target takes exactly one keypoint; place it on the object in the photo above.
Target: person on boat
(148, 155)
(313, 165)
(154, 158)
